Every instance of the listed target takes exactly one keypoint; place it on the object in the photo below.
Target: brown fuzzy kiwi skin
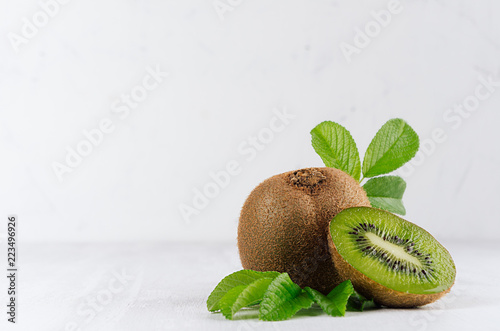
(370, 289)
(284, 224)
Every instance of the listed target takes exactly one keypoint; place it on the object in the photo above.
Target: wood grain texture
(169, 285)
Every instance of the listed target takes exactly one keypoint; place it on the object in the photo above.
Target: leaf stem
(361, 180)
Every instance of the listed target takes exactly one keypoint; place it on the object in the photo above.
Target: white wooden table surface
(165, 287)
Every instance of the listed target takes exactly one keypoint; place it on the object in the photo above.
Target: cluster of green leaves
(278, 297)
(394, 144)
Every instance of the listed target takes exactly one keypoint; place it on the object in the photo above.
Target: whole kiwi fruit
(284, 224)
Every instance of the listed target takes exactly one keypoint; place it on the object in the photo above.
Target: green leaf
(227, 301)
(386, 193)
(243, 296)
(357, 302)
(334, 304)
(242, 277)
(336, 147)
(394, 144)
(283, 299)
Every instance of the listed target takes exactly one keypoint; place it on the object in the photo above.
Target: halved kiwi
(391, 260)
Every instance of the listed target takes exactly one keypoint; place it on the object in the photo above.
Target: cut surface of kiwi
(386, 257)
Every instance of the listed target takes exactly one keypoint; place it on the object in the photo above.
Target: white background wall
(225, 78)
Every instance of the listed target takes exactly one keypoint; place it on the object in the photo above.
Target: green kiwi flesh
(389, 259)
